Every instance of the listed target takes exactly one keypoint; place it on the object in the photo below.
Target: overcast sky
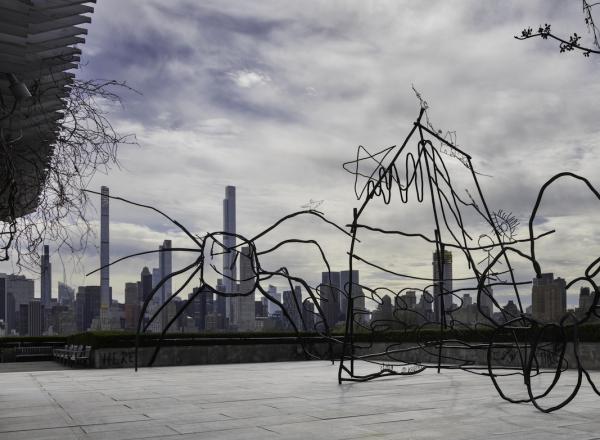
(273, 97)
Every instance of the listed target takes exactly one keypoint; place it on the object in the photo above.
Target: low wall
(203, 354)
(589, 355)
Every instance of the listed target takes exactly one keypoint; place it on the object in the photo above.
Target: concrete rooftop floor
(286, 400)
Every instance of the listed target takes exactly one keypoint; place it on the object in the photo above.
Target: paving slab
(284, 400)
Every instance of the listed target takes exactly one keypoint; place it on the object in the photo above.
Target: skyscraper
(104, 259)
(7, 306)
(46, 277)
(308, 315)
(145, 284)
(245, 309)
(66, 294)
(586, 300)
(220, 307)
(201, 307)
(132, 306)
(229, 243)
(330, 294)
(548, 298)
(23, 322)
(156, 279)
(290, 304)
(358, 306)
(19, 290)
(165, 266)
(36, 312)
(273, 307)
(89, 301)
(485, 301)
(442, 288)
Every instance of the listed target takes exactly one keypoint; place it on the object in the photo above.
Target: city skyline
(91, 309)
(164, 263)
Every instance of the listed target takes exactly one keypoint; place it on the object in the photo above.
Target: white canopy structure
(39, 42)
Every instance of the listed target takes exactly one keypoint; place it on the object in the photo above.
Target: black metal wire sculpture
(503, 345)
(517, 344)
(212, 245)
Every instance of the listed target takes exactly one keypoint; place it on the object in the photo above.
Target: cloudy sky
(274, 96)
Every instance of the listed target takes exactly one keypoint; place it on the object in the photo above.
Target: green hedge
(98, 339)
(10, 341)
(122, 339)
(586, 333)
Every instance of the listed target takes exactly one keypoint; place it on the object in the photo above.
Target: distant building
(145, 284)
(442, 287)
(425, 307)
(23, 324)
(359, 310)
(131, 308)
(61, 320)
(272, 306)
(510, 311)
(259, 309)
(309, 316)
(292, 302)
(264, 306)
(486, 301)
(383, 317)
(35, 324)
(201, 306)
(330, 297)
(105, 292)
(46, 277)
(156, 325)
(467, 300)
(87, 308)
(220, 318)
(586, 300)
(66, 294)
(165, 266)
(548, 298)
(19, 290)
(244, 304)
(229, 247)
(155, 280)
(467, 313)
(7, 306)
(405, 309)
(168, 315)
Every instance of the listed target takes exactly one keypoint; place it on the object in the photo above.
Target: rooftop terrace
(291, 400)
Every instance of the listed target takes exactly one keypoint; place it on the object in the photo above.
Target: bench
(28, 354)
(73, 355)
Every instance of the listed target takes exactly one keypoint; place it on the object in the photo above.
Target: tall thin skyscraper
(229, 243)
(330, 297)
(156, 299)
(245, 313)
(442, 288)
(165, 266)
(105, 299)
(220, 306)
(46, 277)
